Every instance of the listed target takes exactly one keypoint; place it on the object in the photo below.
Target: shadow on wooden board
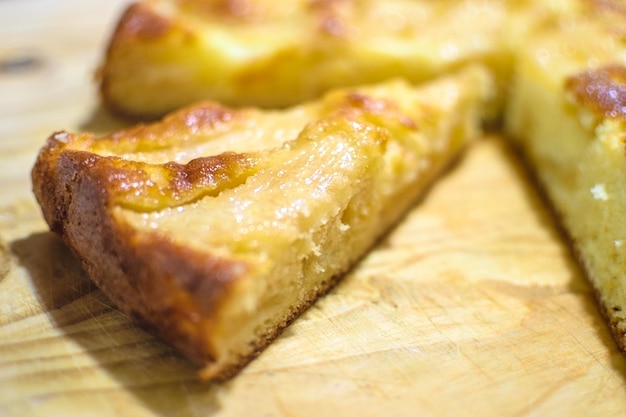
(124, 357)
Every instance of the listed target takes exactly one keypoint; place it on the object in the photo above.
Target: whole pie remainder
(215, 227)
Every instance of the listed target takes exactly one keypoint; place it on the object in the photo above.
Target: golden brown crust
(615, 323)
(612, 6)
(602, 90)
(182, 125)
(141, 22)
(180, 296)
(148, 187)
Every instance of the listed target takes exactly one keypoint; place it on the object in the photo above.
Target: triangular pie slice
(216, 227)
(567, 111)
(165, 54)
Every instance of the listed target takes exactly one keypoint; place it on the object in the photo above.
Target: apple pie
(215, 227)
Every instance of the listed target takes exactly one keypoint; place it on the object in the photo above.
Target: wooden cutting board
(473, 305)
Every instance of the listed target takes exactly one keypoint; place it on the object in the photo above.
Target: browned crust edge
(169, 291)
(610, 319)
(602, 90)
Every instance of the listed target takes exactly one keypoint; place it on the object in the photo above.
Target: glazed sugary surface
(217, 251)
(567, 109)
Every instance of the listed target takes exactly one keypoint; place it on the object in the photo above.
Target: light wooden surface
(472, 306)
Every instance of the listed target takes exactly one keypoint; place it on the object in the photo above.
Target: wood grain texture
(473, 305)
